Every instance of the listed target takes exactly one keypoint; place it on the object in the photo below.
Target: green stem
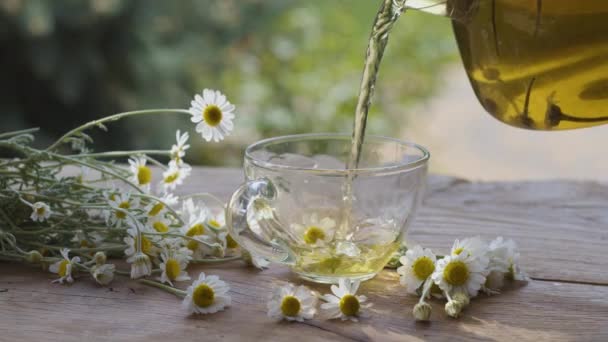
(157, 163)
(56, 199)
(15, 133)
(113, 154)
(115, 175)
(215, 260)
(83, 250)
(8, 220)
(111, 118)
(172, 290)
(186, 237)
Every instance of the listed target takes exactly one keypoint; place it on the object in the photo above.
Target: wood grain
(33, 309)
(561, 227)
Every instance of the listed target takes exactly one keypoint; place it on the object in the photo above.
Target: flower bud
(422, 311)
(33, 257)
(461, 298)
(246, 256)
(453, 308)
(103, 274)
(141, 266)
(100, 258)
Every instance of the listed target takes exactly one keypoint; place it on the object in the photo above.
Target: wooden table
(561, 228)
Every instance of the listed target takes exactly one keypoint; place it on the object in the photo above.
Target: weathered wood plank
(561, 226)
(33, 309)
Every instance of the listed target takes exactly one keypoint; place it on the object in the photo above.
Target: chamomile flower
(178, 151)
(140, 173)
(213, 114)
(344, 303)
(103, 274)
(141, 265)
(503, 258)
(122, 201)
(226, 240)
(207, 294)
(40, 212)
(216, 219)
(148, 246)
(159, 224)
(292, 303)
(504, 253)
(64, 267)
(174, 176)
(315, 232)
(201, 236)
(190, 210)
(159, 208)
(473, 246)
(418, 264)
(460, 273)
(173, 265)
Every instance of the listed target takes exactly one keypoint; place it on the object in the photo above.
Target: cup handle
(252, 221)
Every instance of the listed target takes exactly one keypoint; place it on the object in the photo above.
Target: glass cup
(299, 205)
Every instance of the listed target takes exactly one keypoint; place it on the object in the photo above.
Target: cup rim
(317, 136)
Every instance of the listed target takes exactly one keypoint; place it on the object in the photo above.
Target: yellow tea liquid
(536, 64)
(327, 262)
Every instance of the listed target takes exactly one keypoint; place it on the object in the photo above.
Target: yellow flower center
(313, 234)
(290, 306)
(457, 251)
(423, 267)
(203, 295)
(63, 268)
(197, 229)
(123, 205)
(156, 209)
(146, 245)
(171, 177)
(456, 273)
(213, 223)
(349, 305)
(113, 197)
(160, 227)
(144, 175)
(172, 269)
(192, 245)
(230, 242)
(212, 115)
(40, 211)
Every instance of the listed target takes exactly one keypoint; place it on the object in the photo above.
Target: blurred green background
(288, 66)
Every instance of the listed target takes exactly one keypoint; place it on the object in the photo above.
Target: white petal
(338, 291)
(207, 132)
(330, 298)
(354, 286)
(209, 96)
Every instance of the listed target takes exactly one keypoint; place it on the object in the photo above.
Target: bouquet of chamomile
(69, 211)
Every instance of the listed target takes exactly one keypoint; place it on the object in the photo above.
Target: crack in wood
(574, 282)
(310, 324)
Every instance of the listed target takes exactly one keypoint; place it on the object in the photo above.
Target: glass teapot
(533, 64)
